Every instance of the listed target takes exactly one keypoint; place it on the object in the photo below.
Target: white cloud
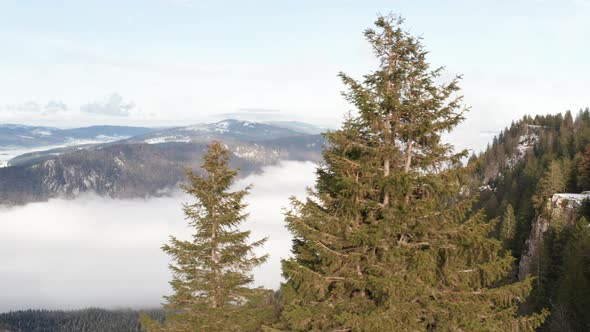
(32, 108)
(26, 107)
(55, 106)
(113, 105)
(103, 252)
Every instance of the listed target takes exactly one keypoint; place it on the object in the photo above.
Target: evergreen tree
(383, 242)
(584, 170)
(584, 209)
(546, 143)
(553, 181)
(572, 181)
(549, 264)
(574, 286)
(508, 228)
(211, 272)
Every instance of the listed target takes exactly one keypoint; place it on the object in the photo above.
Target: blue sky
(174, 62)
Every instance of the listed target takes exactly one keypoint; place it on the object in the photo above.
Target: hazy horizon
(175, 62)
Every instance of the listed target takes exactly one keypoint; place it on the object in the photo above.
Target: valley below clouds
(102, 252)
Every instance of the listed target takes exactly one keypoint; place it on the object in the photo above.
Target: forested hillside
(89, 320)
(524, 166)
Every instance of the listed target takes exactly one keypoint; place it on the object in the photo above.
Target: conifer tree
(553, 181)
(211, 271)
(584, 169)
(574, 286)
(383, 242)
(508, 228)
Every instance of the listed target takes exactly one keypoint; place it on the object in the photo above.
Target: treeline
(545, 149)
(88, 320)
(518, 173)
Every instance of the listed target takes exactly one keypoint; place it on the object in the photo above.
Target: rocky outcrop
(562, 207)
(533, 245)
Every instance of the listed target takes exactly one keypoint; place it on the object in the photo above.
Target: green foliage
(564, 276)
(508, 228)
(384, 242)
(584, 210)
(211, 272)
(553, 181)
(573, 287)
(584, 170)
(523, 163)
(555, 159)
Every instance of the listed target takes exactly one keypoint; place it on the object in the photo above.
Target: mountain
(301, 127)
(237, 130)
(150, 164)
(540, 167)
(12, 135)
(229, 131)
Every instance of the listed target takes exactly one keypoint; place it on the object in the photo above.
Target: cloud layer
(113, 109)
(33, 108)
(103, 252)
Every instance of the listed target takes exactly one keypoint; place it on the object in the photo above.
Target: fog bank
(92, 251)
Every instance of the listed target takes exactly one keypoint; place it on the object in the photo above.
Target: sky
(73, 63)
(102, 252)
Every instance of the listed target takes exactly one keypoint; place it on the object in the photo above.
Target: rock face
(533, 245)
(562, 207)
(494, 168)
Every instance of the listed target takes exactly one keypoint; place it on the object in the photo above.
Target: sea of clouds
(100, 252)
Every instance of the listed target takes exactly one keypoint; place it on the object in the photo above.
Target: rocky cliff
(562, 208)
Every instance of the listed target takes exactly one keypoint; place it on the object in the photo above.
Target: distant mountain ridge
(149, 164)
(301, 127)
(246, 131)
(13, 135)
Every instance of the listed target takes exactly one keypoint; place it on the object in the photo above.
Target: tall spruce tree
(211, 272)
(508, 228)
(574, 286)
(553, 181)
(383, 242)
(584, 169)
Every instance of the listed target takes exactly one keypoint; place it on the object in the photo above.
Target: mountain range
(138, 162)
(14, 135)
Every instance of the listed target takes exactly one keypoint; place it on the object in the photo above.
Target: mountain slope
(148, 165)
(244, 131)
(525, 167)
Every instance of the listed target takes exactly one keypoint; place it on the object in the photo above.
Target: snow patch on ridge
(168, 139)
(41, 132)
(526, 143)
